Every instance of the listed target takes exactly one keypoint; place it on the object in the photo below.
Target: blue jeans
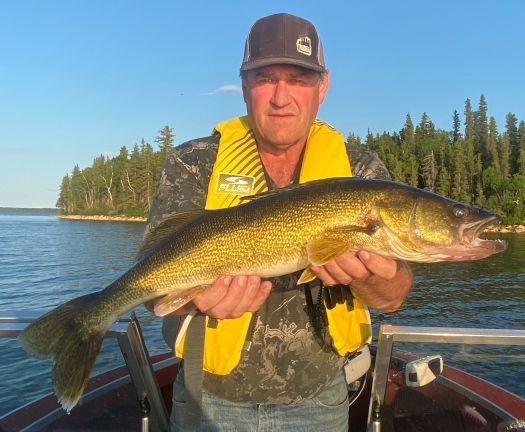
(328, 411)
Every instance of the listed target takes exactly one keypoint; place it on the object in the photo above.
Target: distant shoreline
(102, 218)
(519, 229)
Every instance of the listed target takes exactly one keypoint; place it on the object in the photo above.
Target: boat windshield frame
(388, 334)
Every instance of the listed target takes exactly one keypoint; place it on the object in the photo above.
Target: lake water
(45, 261)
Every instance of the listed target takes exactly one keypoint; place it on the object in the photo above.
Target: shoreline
(520, 229)
(103, 218)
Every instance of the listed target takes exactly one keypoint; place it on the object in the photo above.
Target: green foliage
(482, 167)
(122, 185)
(456, 125)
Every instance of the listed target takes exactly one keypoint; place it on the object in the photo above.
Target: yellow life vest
(238, 171)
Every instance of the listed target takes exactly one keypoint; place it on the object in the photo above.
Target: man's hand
(230, 297)
(381, 283)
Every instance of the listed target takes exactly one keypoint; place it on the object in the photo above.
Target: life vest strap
(193, 373)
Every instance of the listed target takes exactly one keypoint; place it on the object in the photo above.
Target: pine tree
(479, 198)
(504, 152)
(149, 174)
(353, 139)
(469, 121)
(407, 134)
(460, 178)
(514, 141)
(124, 195)
(456, 126)
(77, 190)
(135, 177)
(165, 142)
(425, 128)
(469, 149)
(521, 157)
(407, 167)
(443, 180)
(65, 199)
(430, 171)
(493, 156)
(412, 171)
(370, 142)
(481, 130)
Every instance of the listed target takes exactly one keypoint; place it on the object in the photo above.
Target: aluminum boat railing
(388, 334)
(129, 336)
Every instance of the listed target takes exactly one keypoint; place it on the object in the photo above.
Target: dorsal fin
(290, 187)
(165, 229)
(244, 199)
(271, 192)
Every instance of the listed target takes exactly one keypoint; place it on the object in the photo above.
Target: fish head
(446, 230)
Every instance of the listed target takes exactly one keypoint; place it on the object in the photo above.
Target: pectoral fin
(322, 250)
(307, 276)
(171, 302)
(330, 246)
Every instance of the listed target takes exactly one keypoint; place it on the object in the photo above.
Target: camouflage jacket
(287, 363)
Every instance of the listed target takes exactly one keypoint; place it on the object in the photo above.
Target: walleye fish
(272, 234)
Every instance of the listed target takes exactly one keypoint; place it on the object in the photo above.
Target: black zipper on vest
(317, 315)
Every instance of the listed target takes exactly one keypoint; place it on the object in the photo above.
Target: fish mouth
(471, 246)
(470, 233)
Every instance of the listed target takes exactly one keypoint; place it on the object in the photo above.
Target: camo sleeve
(183, 183)
(366, 163)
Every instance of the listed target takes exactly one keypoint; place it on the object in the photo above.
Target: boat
(394, 391)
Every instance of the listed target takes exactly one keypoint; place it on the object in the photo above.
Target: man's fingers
(342, 270)
(337, 273)
(376, 264)
(245, 296)
(230, 297)
(261, 295)
(350, 267)
(213, 295)
(224, 308)
(322, 273)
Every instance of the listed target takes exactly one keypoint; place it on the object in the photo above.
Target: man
(273, 354)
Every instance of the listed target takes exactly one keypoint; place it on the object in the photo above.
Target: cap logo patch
(234, 184)
(304, 45)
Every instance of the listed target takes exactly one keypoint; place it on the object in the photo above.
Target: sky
(83, 78)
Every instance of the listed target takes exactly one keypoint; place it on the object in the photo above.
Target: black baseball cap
(283, 39)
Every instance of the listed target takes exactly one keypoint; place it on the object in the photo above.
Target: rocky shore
(509, 229)
(101, 218)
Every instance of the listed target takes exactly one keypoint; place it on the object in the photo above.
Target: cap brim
(281, 60)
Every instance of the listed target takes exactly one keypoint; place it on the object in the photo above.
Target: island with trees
(474, 162)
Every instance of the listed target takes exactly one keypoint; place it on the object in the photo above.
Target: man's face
(282, 102)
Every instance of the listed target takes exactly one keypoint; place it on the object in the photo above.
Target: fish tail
(67, 335)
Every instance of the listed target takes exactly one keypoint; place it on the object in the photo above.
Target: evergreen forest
(473, 162)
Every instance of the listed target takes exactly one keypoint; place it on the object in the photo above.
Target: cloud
(227, 88)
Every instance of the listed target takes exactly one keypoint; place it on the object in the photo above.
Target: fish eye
(461, 212)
